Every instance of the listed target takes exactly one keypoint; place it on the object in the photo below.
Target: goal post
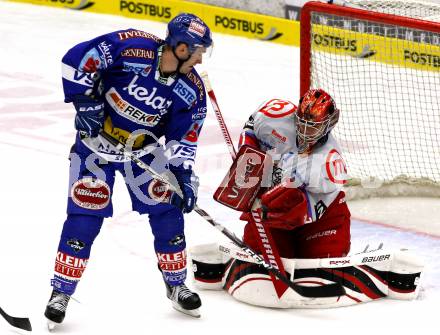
(383, 71)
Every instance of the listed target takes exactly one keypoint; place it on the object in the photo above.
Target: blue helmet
(188, 29)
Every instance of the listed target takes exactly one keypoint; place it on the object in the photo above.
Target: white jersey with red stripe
(271, 127)
(319, 174)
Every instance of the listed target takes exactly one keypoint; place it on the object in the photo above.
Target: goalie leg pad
(404, 276)
(366, 277)
(208, 265)
(251, 283)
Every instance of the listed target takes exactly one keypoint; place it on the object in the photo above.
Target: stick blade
(22, 323)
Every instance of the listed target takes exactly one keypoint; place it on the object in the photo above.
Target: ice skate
(56, 309)
(184, 300)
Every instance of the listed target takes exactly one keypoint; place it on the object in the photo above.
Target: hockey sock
(79, 232)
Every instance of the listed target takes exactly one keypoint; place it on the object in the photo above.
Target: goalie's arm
(247, 135)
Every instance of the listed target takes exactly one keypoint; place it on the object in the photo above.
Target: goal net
(383, 70)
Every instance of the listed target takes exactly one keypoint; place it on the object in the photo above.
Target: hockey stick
(362, 258)
(218, 115)
(331, 290)
(22, 323)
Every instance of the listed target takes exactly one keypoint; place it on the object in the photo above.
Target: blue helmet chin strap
(180, 61)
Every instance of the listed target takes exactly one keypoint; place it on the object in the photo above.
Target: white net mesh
(385, 80)
(414, 9)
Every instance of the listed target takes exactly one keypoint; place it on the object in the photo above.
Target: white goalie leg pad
(408, 265)
(366, 276)
(208, 265)
(248, 282)
(245, 285)
(256, 289)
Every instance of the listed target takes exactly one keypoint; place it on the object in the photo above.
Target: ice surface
(121, 291)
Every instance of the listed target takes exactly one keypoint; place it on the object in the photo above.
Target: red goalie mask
(316, 116)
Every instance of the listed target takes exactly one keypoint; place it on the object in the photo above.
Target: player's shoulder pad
(136, 44)
(276, 108)
(138, 35)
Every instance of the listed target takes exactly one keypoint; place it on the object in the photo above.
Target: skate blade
(51, 325)
(195, 313)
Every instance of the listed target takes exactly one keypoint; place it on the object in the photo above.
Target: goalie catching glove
(284, 207)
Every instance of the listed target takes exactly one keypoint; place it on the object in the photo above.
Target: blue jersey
(122, 69)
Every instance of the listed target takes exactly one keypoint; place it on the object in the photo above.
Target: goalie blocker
(244, 179)
(366, 276)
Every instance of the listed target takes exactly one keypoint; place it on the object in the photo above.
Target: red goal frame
(305, 26)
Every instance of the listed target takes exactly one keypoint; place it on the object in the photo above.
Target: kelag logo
(246, 26)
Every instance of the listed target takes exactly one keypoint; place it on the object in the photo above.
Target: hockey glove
(89, 115)
(189, 184)
(284, 207)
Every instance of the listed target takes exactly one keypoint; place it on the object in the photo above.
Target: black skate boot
(56, 308)
(184, 300)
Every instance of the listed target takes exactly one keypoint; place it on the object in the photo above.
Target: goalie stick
(218, 115)
(374, 255)
(330, 290)
(22, 323)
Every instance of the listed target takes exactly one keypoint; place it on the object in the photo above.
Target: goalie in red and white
(297, 218)
(305, 211)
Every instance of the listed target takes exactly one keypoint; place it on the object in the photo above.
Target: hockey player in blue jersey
(121, 83)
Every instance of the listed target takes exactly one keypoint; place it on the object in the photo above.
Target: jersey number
(277, 108)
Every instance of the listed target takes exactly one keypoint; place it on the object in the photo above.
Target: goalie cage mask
(316, 116)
